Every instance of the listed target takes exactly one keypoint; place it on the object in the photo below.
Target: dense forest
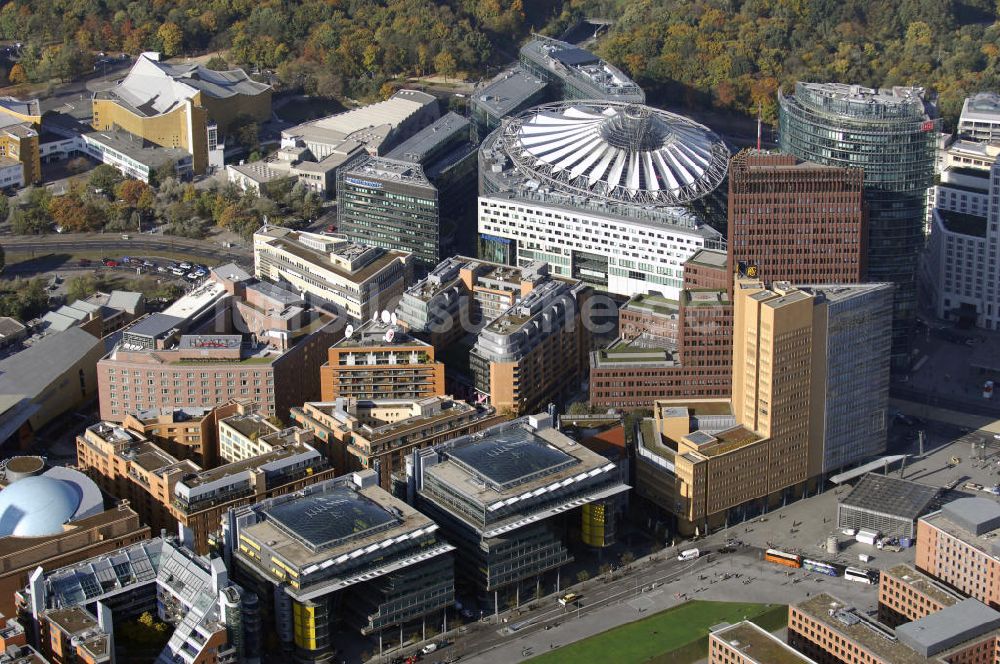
(328, 47)
(734, 54)
(731, 54)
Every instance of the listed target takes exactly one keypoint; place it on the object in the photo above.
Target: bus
(568, 599)
(820, 567)
(861, 575)
(690, 554)
(782, 558)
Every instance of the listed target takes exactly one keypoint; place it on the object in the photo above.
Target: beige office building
(798, 408)
(360, 279)
(381, 433)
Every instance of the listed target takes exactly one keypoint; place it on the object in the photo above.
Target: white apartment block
(621, 256)
(980, 119)
(960, 268)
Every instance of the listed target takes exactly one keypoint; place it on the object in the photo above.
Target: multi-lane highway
(207, 251)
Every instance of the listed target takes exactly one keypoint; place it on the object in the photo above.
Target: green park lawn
(676, 636)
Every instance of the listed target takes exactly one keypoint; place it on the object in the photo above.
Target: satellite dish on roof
(386, 317)
(390, 334)
(348, 331)
(394, 318)
(374, 316)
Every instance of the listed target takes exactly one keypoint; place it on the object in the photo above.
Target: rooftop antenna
(759, 109)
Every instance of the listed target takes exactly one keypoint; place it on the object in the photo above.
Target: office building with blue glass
(341, 552)
(891, 134)
(511, 498)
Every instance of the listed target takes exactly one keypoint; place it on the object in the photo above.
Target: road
(113, 244)
(648, 586)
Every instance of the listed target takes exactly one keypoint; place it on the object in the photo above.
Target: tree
(217, 63)
(72, 213)
(170, 37)
(105, 178)
(246, 132)
(444, 64)
(26, 222)
(4, 208)
(80, 287)
(578, 408)
(3, 259)
(627, 558)
(17, 75)
(582, 576)
(132, 191)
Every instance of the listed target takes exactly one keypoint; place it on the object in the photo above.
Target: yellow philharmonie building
(181, 106)
(20, 161)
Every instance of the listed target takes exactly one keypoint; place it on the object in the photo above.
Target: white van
(690, 554)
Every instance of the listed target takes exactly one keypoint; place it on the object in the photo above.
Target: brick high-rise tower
(800, 222)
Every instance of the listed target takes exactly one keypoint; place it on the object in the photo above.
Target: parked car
(110, 263)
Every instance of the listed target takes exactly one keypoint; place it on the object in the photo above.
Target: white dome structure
(616, 151)
(37, 506)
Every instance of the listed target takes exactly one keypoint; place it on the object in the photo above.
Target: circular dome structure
(616, 151)
(37, 506)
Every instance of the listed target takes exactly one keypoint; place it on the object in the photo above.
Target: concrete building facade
(638, 368)
(358, 434)
(960, 265)
(361, 280)
(793, 415)
(980, 118)
(502, 496)
(381, 361)
(181, 497)
(369, 560)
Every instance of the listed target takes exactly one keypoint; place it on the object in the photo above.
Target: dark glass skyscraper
(891, 134)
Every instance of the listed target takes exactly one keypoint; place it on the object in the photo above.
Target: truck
(689, 554)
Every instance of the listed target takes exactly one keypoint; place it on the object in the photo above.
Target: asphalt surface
(646, 587)
(114, 245)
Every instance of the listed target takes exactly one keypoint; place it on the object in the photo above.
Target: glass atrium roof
(511, 457)
(329, 518)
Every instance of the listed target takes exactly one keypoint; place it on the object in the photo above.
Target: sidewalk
(985, 423)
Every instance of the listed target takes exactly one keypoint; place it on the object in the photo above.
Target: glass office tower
(891, 134)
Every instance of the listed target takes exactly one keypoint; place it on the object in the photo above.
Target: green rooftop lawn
(678, 635)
